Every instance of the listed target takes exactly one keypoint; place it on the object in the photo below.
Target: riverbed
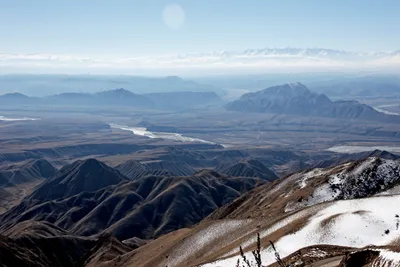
(141, 131)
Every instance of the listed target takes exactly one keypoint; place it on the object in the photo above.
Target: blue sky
(135, 28)
(170, 37)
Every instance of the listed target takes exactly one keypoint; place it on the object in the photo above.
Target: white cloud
(251, 59)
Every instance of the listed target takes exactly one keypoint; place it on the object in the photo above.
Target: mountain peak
(92, 163)
(80, 176)
(14, 95)
(295, 98)
(295, 85)
(286, 90)
(116, 92)
(288, 98)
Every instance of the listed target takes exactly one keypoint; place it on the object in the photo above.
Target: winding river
(162, 135)
(3, 118)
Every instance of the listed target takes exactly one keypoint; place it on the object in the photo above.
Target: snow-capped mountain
(264, 58)
(287, 53)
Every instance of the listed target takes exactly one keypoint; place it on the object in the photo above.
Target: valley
(200, 133)
(181, 185)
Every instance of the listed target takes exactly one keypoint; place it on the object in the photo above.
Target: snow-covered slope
(369, 177)
(353, 223)
(366, 178)
(350, 206)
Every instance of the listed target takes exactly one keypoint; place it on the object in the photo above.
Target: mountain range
(247, 168)
(78, 196)
(312, 216)
(297, 99)
(168, 100)
(290, 98)
(15, 174)
(90, 214)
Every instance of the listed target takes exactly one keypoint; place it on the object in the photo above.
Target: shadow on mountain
(87, 198)
(297, 99)
(15, 174)
(247, 168)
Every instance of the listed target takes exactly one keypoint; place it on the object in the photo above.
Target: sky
(153, 28)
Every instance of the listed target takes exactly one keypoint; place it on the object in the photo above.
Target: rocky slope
(135, 170)
(43, 245)
(339, 206)
(14, 174)
(89, 198)
(247, 168)
(320, 215)
(78, 177)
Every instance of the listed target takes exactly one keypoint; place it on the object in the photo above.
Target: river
(3, 118)
(162, 135)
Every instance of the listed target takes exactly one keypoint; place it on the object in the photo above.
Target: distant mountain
(188, 99)
(297, 99)
(353, 109)
(359, 87)
(42, 85)
(247, 168)
(122, 96)
(16, 98)
(290, 98)
(15, 174)
(80, 176)
(69, 99)
(110, 97)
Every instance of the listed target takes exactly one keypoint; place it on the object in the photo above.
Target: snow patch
(389, 257)
(308, 175)
(370, 177)
(355, 223)
(316, 253)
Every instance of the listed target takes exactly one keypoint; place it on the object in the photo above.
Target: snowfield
(355, 223)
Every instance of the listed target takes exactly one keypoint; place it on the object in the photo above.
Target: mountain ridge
(88, 198)
(121, 96)
(77, 177)
(297, 99)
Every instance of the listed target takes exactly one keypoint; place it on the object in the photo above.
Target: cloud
(250, 59)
